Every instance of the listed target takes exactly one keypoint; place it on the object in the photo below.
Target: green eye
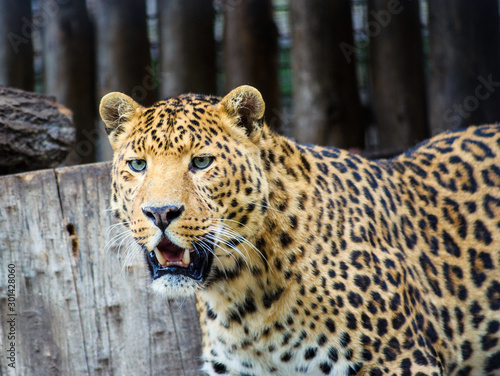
(202, 162)
(137, 165)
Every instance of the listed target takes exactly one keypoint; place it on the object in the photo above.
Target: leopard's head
(188, 182)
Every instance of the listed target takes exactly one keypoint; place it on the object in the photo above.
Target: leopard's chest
(284, 351)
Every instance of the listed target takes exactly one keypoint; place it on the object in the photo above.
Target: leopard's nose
(162, 216)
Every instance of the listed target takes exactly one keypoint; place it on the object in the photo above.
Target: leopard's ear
(246, 106)
(117, 109)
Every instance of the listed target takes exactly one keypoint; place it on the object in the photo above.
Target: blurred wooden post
(251, 52)
(187, 47)
(464, 79)
(396, 57)
(78, 309)
(16, 48)
(123, 56)
(327, 108)
(69, 70)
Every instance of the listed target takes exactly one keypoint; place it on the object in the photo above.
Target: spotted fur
(323, 263)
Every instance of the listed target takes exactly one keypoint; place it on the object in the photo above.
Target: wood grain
(82, 309)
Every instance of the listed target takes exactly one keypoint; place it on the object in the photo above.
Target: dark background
(376, 76)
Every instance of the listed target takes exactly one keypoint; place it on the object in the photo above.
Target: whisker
(132, 251)
(231, 233)
(201, 243)
(123, 237)
(229, 245)
(227, 235)
(215, 245)
(114, 226)
(222, 232)
(117, 239)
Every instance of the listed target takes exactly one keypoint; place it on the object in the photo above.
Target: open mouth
(168, 258)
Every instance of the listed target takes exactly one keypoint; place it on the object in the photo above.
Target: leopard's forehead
(172, 125)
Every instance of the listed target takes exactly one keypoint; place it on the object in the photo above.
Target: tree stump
(35, 131)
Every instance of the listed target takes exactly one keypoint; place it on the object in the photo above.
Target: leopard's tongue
(167, 254)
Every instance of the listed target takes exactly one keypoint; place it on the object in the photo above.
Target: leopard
(312, 260)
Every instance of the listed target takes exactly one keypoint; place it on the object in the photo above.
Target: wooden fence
(68, 305)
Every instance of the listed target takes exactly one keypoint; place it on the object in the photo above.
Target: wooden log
(81, 308)
(35, 131)
(326, 104)
(251, 52)
(122, 54)
(399, 102)
(464, 63)
(69, 71)
(16, 49)
(186, 34)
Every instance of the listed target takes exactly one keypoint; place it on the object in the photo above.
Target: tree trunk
(251, 52)
(464, 75)
(327, 109)
(16, 48)
(69, 73)
(83, 306)
(187, 47)
(35, 131)
(123, 56)
(397, 70)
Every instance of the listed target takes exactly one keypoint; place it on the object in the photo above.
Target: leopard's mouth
(168, 258)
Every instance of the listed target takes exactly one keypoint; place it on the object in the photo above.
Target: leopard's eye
(202, 162)
(137, 165)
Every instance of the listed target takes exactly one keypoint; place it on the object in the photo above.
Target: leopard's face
(188, 184)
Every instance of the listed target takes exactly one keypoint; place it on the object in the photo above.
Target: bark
(123, 56)
(187, 47)
(464, 56)
(251, 52)
(35, 131)
(327, 108)
(69, 71)
(396, 59)
(16, 48)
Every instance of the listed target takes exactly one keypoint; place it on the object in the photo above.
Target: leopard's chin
(172, 285)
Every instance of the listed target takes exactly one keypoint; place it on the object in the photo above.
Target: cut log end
(36, 132)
